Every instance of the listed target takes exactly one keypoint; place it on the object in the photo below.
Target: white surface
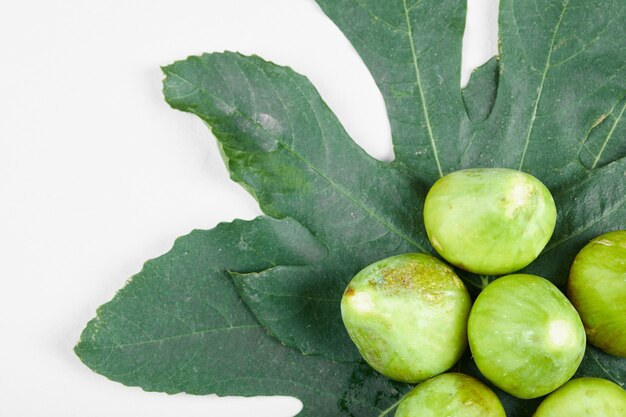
(98, 174)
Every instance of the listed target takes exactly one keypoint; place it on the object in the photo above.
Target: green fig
(525, 335)
(407, 316)
(451, 395)
(585, 397)
(597, 288)
(489, 221)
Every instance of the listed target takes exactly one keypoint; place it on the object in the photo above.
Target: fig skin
(407, 316)
(525, 335)
(489, 221)
(597, 288)
(585, 397)
(451, 395)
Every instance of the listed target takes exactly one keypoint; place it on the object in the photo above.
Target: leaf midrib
(420, 88)
(544, 75)
(168, 338)
(354, 200)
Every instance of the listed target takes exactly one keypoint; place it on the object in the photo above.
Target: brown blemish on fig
(349, 291)
(431, 281)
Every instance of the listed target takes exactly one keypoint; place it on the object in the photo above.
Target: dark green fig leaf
(307, 295)
(289, 150)
(550, 105)
(413, 50)
(562, 66)
(180, 326)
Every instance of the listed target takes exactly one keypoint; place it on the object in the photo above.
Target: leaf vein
(585, 227)
(170, 338)
(595, 358)
(543, 79)
(421, 89)
(608, 138)
(378, 18)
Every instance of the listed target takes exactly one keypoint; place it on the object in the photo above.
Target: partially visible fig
(585, 397)
(451, 395)
(597, 288)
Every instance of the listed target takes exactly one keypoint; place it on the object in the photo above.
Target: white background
(98, 174)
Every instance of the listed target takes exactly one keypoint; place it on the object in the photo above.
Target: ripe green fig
(525, 336)
(489, 221)
(407, 316)
(585, 397)
(597, 288)
(451, 395)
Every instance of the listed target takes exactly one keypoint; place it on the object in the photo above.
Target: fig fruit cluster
(411, 316)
